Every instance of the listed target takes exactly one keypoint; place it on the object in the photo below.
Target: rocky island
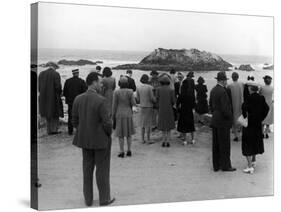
(179, 59)
(268, 67)
(247, 67)
(76, 63)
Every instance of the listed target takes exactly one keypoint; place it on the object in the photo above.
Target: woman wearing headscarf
(255, 110)
(122, 113)
(165, 98)
(201, 106)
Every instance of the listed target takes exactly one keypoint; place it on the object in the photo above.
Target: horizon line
(120, 50)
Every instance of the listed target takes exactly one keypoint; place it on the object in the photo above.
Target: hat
(201, 80)
(153, 72)
(190, 74)
(164, 79)
(75, 71)
(267, 77)
(221, 76)
(251, 78)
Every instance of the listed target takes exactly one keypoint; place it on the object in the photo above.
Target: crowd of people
(164, 101)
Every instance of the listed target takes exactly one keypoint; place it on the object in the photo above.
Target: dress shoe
(88, 203)
(108, 202)
(129, 153)
(121, 155)
(216, 169)
(249, 170)
(235, 139)
(168, 144)
(231, 169)
(163, 144)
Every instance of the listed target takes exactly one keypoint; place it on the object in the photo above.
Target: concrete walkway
(153, 174)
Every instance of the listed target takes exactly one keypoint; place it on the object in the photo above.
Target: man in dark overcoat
(91, 119)
(72, 88)
(50, 103)
(221, 122)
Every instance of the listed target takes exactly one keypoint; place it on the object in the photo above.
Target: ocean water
(114, 58)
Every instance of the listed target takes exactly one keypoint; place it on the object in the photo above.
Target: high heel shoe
(129, 153)
(249, 170)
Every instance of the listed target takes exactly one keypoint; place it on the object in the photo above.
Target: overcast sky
(108, 28)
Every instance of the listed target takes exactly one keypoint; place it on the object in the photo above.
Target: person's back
(236, 89)
(131, 83)
(145, 95)
(201, 91)
(72, 88)
(49, 93)
(123, 102)
(256, 109)
(220, 107)
(88, 111)
(108, 83)
(267, 92)
(165, 96)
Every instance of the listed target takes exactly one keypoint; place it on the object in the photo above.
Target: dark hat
(190, 74)
(154, 73)
(75, 71)
(267, 77)
(221, 76)
(201, 80)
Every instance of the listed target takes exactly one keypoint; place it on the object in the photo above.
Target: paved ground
(153, 174)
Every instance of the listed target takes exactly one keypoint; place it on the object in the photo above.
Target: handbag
(242, 121)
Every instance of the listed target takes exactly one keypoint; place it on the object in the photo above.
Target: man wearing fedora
(72, 88)
(220, 106)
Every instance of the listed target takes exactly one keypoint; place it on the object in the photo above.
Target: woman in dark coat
(165, 98)
(201, 106)
(255, 109)
(185, 105)
(109, 85)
